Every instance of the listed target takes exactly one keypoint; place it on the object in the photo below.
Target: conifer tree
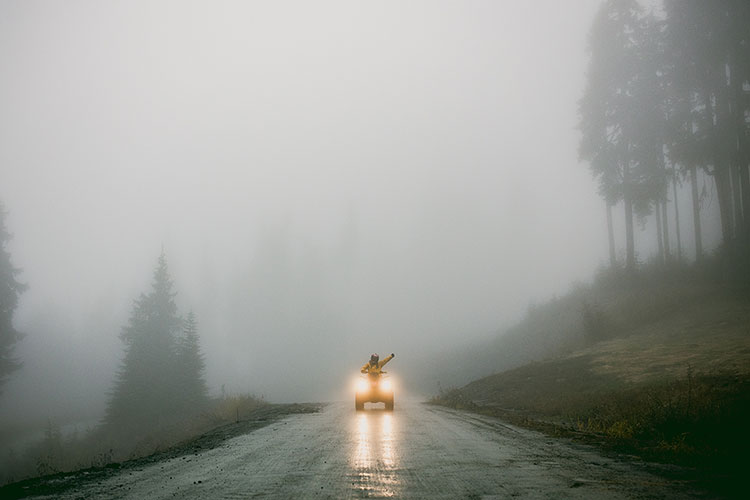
(145, 393)
(609, 111)
(191, 368)
(709, 49)
(10, 290)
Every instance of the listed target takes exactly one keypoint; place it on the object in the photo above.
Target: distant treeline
(667, 96)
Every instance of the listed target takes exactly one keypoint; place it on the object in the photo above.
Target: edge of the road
(53, 484)
(686, 476)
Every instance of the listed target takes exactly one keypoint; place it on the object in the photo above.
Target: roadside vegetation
(253, 414)
(659, 366)
(99, 447)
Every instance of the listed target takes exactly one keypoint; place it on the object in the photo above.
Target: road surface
(418, 451)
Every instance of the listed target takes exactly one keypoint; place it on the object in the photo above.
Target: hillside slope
(674, 386)
(611, 307)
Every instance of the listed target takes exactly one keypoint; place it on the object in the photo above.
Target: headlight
(387, 385)
(361, 385)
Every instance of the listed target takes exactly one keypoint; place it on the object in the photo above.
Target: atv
(373, 389)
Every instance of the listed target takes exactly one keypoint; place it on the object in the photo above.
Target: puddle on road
(374, 459)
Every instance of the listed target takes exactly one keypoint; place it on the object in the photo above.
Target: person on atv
(374, 366)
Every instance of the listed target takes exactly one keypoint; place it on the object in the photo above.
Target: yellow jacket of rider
(375, 369)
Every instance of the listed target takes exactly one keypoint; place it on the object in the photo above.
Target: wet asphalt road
(418, 451)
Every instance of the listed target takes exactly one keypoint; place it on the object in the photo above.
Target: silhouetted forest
(668, 95)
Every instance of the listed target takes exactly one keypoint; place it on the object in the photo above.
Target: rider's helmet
(374, 359)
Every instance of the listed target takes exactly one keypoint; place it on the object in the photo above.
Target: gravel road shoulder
(52, 485)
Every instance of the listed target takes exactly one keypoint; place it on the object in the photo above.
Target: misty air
(428, 249)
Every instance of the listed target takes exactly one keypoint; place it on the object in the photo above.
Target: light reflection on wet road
(418, 451)
(374, 459)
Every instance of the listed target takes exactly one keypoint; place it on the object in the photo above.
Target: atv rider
(374, 366)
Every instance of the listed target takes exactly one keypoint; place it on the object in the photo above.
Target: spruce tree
(145, 394)
(10, 290)
(191, 368)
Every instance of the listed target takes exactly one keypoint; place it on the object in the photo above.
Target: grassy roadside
(100, 446)
(252, 419)
(673, 388)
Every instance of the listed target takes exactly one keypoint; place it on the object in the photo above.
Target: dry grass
(710, 336)
(102, 446)
(671, 382)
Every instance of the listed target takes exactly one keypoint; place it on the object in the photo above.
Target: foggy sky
(327, 179)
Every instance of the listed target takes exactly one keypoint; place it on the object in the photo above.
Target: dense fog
(326, 180)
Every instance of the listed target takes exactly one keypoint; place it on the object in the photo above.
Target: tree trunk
(660, 243)
(743, 173)
(739, 72)
(735, 128)
(629, 234)
(661, 203)
(676, 212)
(724, 194)
(734, 177)
(721, 168)
(744, 176)
(629, 237)
(696, 214)
(665, 223)
(611, 234)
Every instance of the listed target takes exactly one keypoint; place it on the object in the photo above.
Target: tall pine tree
(609, 112)
(709, 48)
(10, 289)
(146, 393)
